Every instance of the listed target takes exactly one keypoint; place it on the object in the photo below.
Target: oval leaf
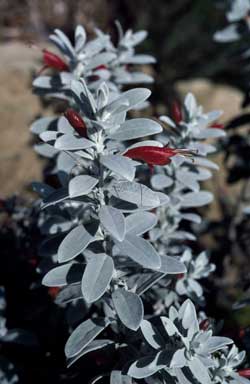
(97, 276)
(81, 185)
(134, 128)
(129, 308)
(113, 221)
(140, 250)
(83, 335)
(74, 243)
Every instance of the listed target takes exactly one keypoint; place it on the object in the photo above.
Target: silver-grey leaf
(136, 193)
(64, 274)
(171, 265)
(196, 199)
(69, 142)
(82, 336)
(113, 221)
(97, 276)
(121, 165)
(135, 128)
(140, 222)
(82, 185)
(74, 243)
(93, 346)
(129, 308)
(140, 251)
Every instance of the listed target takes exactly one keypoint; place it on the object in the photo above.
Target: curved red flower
(51, 60)
(155, 155)
(76, 121)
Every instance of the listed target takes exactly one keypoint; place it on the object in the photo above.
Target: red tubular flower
(155, 155)
(51, 60)
(176, 112)
(76, 121)
(245, 373)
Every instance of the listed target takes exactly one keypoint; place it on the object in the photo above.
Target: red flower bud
(176, 112)
(51, 60)
(217, 125)
(242, 333)
(76, 121)
(204, 324)
(53, 291)
(180, 275)
(155, 155)
(100, 67)
(245, 373)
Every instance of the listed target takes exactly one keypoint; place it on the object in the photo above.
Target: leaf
(117, 377)
(129, 308)
(64, 274)
(42, 189)
(45, 150)
(189, 318)
(191, 217)
(179, 359)
(203, 162)
(74, 243)
(66, 42)
(83, 97)
(42, 124)
(139, 59)
(160, 181)
(140, 222)
(69, 293)
(93, 346)
(171, 265)
(196, 199)
(113, 221)
(140, 251)
(55, 197)
(135, 128)
(128, 99)
(144, 367)
(151, 335)
(207, 133)
(228, 34)
(82, 336)
(97, 276)
(69, 142)
(80, 38)
(48, 136)
(82, 185)
(63, 126)
(217, 342)
(65, 163)
(121, 165)
(169, 326)
(189, 179)
(199, 371)
(100, 59)
(143, 143)
(136, 193)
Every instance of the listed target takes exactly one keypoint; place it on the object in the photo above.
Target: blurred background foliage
(180, 31)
